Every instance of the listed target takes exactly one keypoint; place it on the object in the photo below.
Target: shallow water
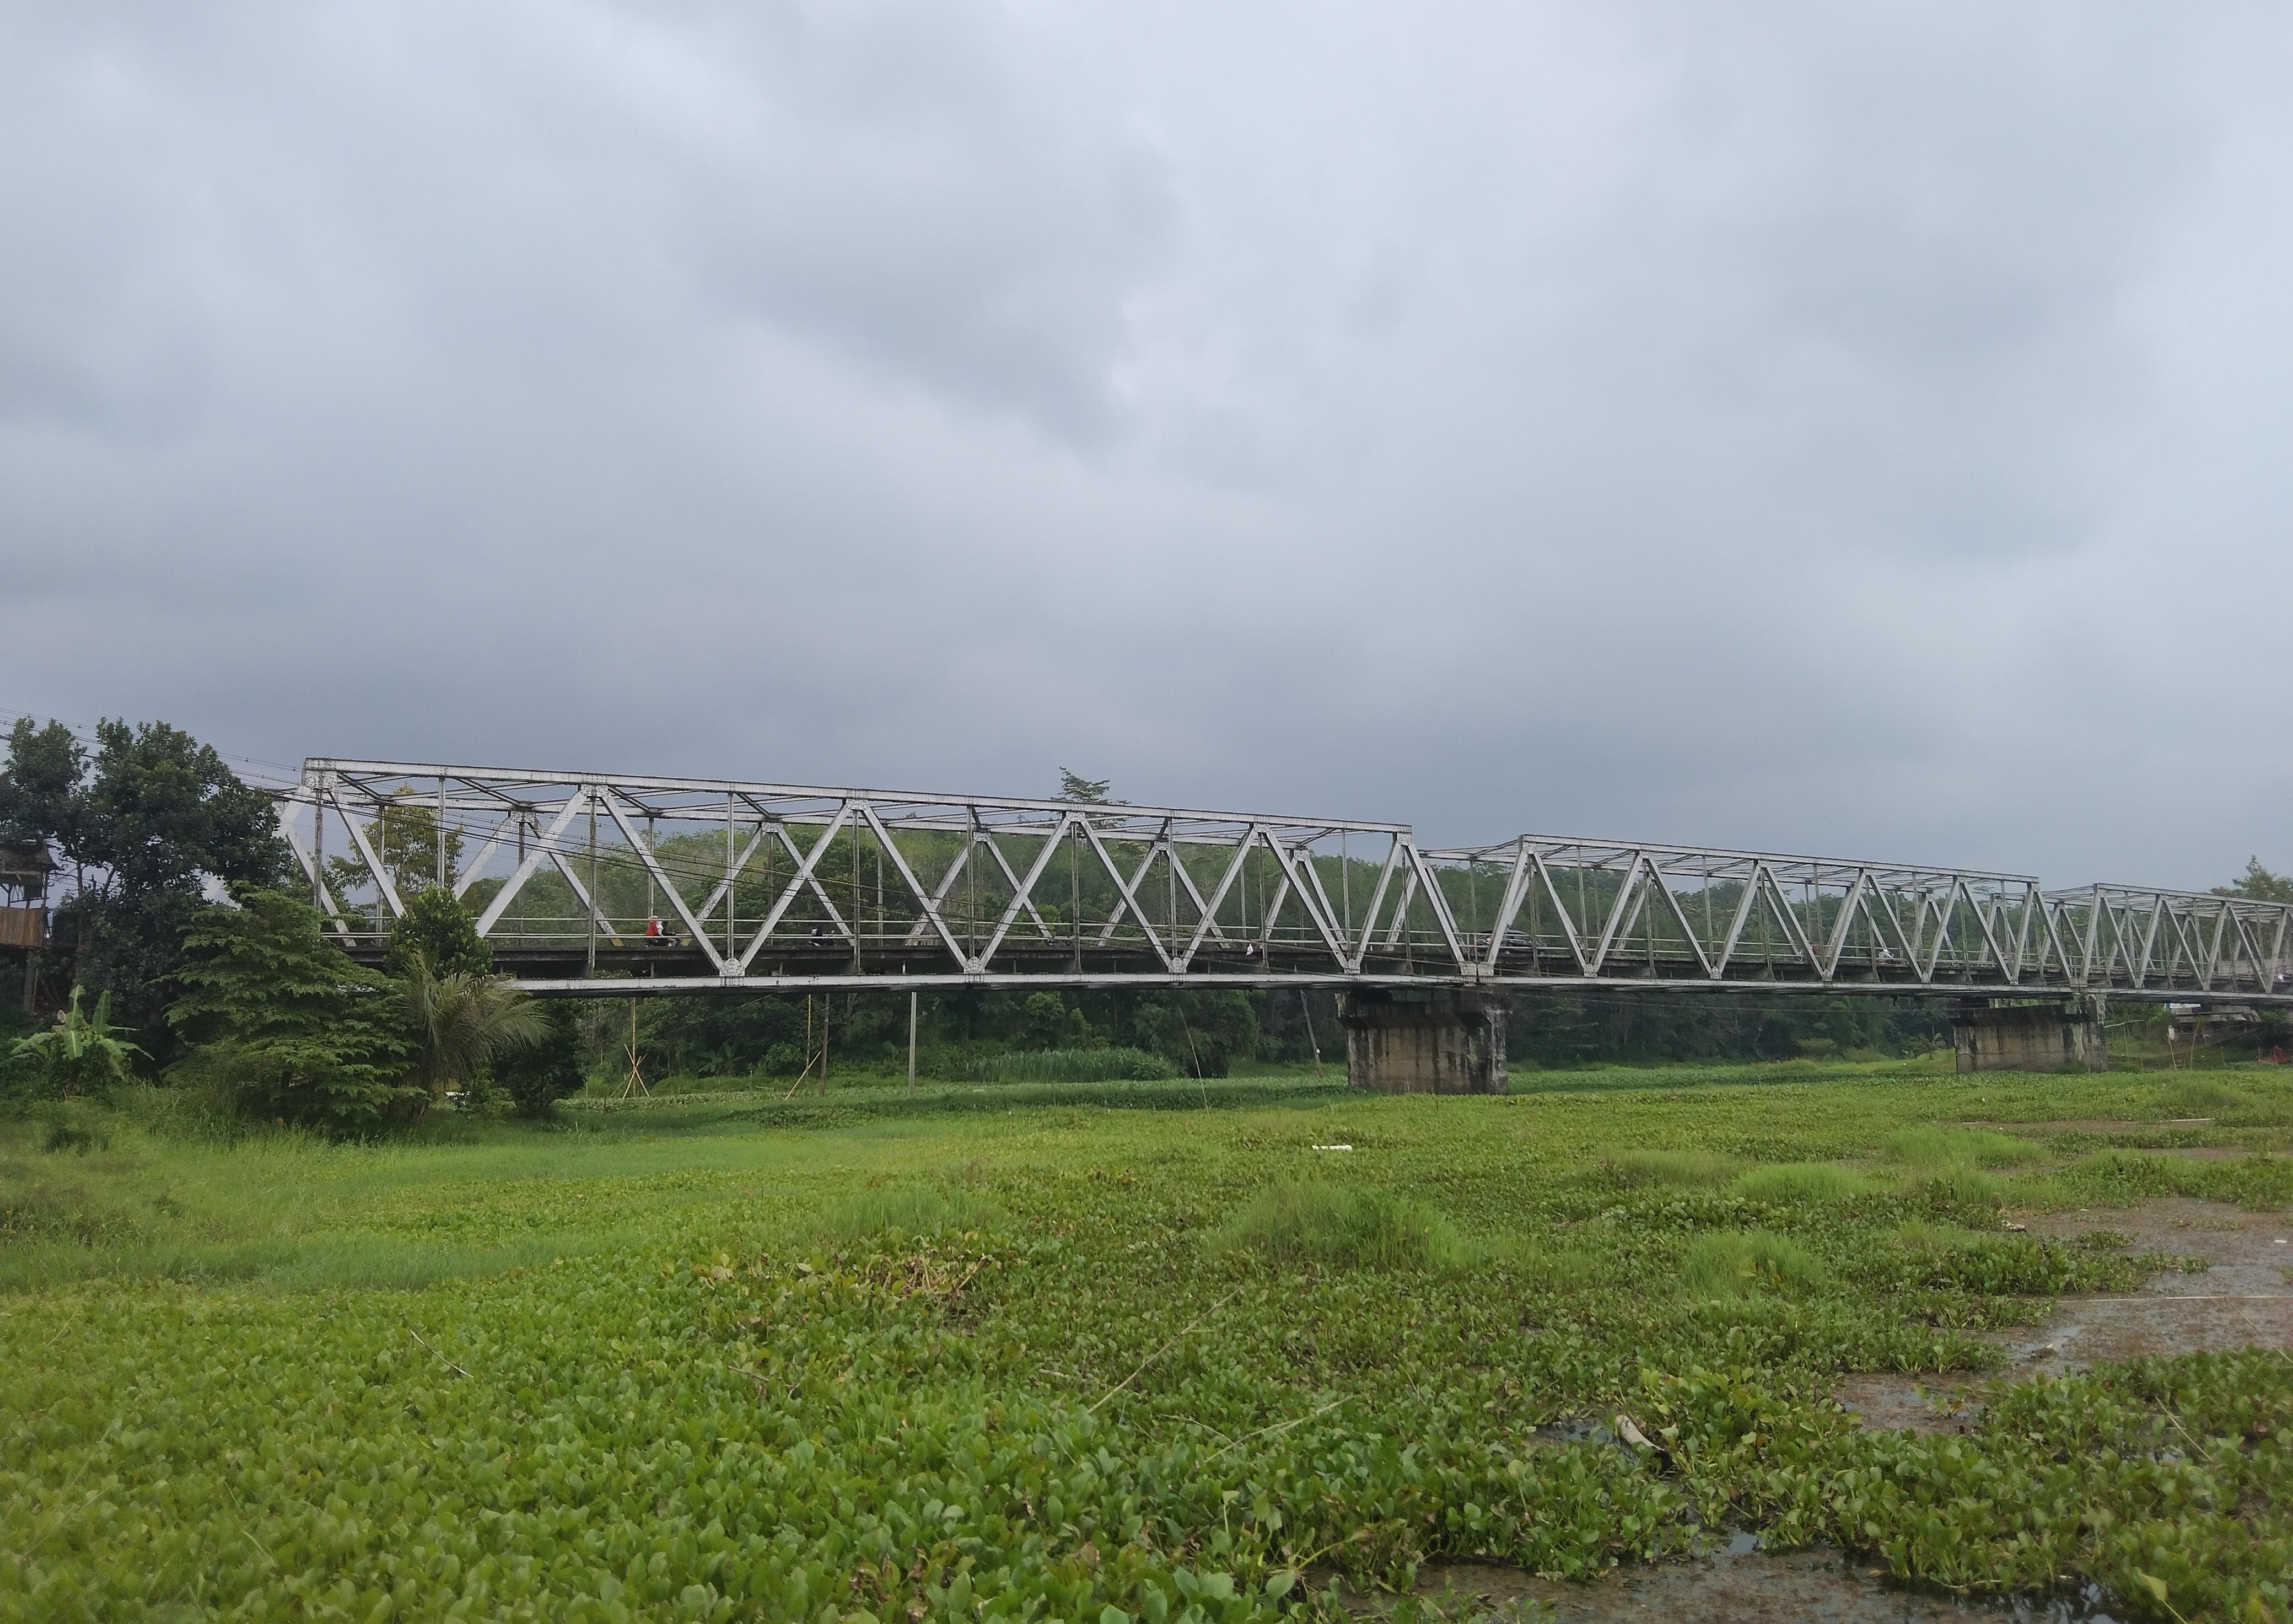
(2243, 1298)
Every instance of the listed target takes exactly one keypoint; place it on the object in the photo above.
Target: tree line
(191, 958)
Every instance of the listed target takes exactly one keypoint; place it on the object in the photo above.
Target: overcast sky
(1846, 429)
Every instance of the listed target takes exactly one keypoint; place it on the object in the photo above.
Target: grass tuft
(1671, 1169)
(1562, 1269)
(2198, 1096)
(1732, 1262)
(911, 1209)
(1965, 1191)
(1306, 1221)
(1802, 1184)
(1928, 1148)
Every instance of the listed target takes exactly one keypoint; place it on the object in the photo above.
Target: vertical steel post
(319, 849)
(728, 876)
(1170, 884)
(441, 832)
(591, 793)
(912, 1045)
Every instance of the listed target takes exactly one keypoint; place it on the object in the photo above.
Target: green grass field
(1124, 1351)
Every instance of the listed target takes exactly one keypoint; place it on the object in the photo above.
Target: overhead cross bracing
(792, 886)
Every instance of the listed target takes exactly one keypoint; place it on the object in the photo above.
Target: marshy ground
(1151, 1353)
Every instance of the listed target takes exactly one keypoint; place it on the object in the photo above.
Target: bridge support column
(2056, 1036)
(1402, 1041)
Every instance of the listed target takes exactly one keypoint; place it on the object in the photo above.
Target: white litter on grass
(1332, 1147)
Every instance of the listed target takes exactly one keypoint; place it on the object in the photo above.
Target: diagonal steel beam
(471, 870)
(1206, 921)
(1154, 849)
(676, 898)
(929, 902)
(805, 862)
(1359, 946)
(374, 870)
(545, 843)
(1021, 893)
(1129, 897)
(1679, 917)
(311, 870)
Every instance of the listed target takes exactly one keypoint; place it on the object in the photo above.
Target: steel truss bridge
(770, 886)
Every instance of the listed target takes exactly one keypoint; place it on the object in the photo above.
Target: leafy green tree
(459, 1022)
(1085, 791)
(286, 1021)
(145, 823)
(541, 1073)
(1201, 1033)
(40, 788)
(440, 932)
(404, 834)
(1050, 1024)
(160, 810)
(2259, 884)
(81, 1057)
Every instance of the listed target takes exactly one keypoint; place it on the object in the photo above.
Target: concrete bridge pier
(1436, 1041)
(2056, 1035)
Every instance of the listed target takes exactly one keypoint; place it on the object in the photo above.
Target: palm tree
(461, 1021)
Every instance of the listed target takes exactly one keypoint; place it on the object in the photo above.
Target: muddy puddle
(1739, 1583)
(2242, 1298)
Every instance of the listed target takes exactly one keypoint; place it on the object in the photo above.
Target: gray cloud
(1833, 430)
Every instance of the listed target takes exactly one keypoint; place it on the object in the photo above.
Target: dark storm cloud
(1847, 430)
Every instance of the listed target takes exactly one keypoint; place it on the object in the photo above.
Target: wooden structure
(25, 869)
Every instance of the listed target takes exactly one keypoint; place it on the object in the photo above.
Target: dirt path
(2242, 1299)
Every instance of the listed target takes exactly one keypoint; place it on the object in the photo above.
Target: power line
(87, 735)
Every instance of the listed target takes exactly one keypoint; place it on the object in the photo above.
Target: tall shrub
(539, 1075)
(438, 930)
(460, 1022)
(285, 1020)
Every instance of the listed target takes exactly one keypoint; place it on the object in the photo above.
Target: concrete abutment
(1438, 1041)
(2056, 1035)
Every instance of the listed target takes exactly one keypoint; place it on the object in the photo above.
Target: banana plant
(81, 1054)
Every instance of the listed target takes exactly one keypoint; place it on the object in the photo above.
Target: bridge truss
(793, 888)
